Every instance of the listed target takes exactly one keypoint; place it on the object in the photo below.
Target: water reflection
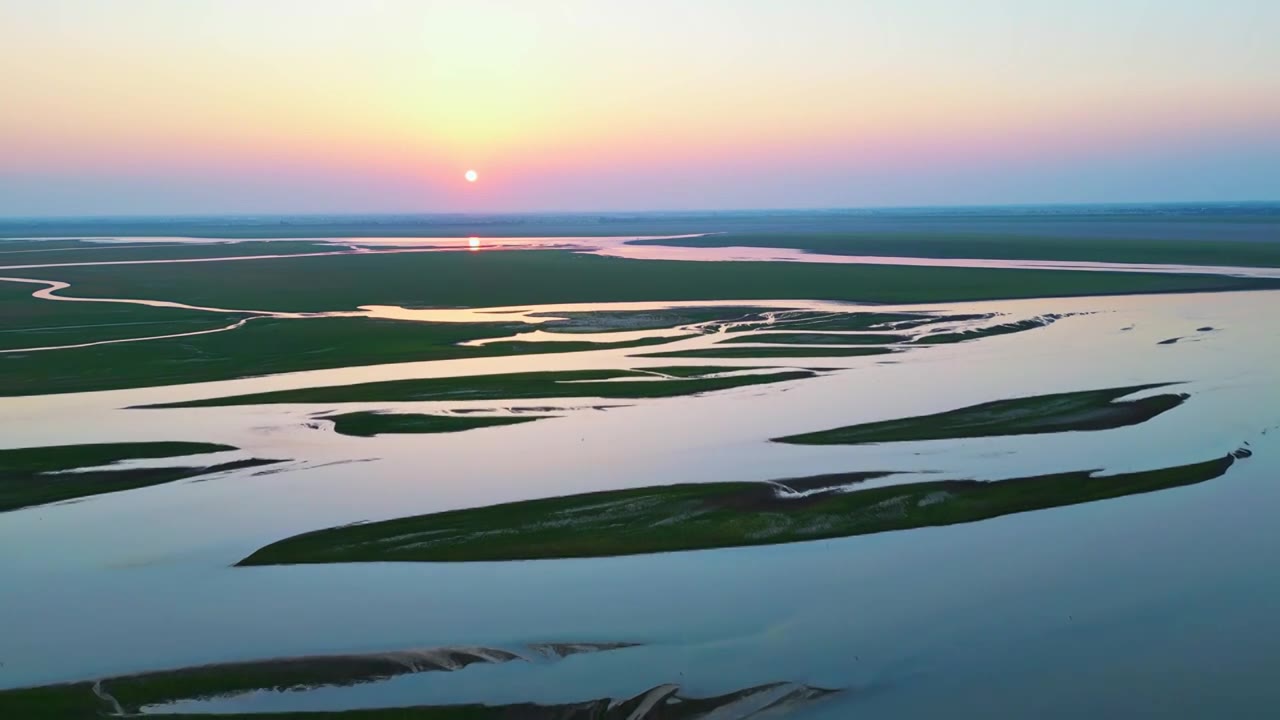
(623, 247)
(1103, 607)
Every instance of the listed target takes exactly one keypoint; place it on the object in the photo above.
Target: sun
(473, 243)
(471, 176)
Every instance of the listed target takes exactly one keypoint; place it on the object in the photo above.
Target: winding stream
(606, 246)
(623, 247)
(1056, 604)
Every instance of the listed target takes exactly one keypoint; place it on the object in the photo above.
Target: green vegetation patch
(1050, 241)
(794, 338)
(688, 371)
(525, 347)
(1059, 412)
(691, 517)
(42, 252)
(664, 702)
(69, 701)
(35, 339)
(446, 279)
(490, 279)
(933, 319)
(814, 320)
(263, 347)
(130, 693)
(369, 424)
(1216, 235)
(28, 322)
(17, 247)
(509, 386)
(990, 331)
(35, 476)
(621, 320)
(780, 351)
(68, 457)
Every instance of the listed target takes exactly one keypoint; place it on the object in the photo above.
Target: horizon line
(651, 211)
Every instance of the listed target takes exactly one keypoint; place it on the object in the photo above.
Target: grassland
(35, 339)
(293, 284)
(131, 693)
(854, 319)
(862, 321)
(42, 252)
(699, 516)
(524, 347)
(777, 351)
(370, 424)
(577, 321)
(1059, 412)
(263, 347)
(944, 338)
(794, 338)
(37, 476)
(689, 371)
(32, 322)
(67, 457)
(664, 702)
(458, 279)
(1011, 247)
(1234, 234)
(507, 386)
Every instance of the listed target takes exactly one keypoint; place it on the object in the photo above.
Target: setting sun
(663, 348)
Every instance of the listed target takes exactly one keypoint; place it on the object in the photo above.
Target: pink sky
(336, 106)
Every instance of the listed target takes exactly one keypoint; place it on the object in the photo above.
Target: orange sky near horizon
(565, 103)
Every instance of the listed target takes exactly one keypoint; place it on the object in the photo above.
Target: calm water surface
(1157, 605)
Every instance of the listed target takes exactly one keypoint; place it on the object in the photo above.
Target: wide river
(1155, 605)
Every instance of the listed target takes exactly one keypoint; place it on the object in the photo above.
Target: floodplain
(810, 464)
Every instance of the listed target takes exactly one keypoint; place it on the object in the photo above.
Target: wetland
(819, 465)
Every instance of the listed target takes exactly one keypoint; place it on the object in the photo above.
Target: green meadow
(511, 386)
(484, 279)
(130, 694)
(371, 424)
(267, 345)
(41, 475)
(673, 518)
(1059, 412)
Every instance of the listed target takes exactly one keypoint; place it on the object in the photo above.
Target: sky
(123, 107)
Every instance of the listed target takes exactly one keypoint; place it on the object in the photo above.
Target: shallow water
(622, 246)
(1150, 605)
(617, 246)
